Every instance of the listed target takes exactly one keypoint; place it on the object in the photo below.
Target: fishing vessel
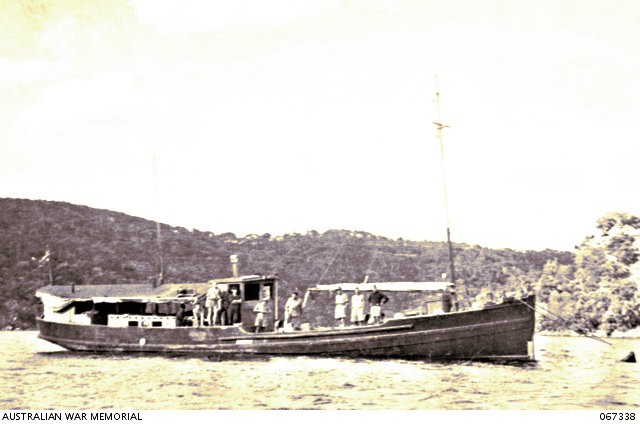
(142, 318)
(164, 318)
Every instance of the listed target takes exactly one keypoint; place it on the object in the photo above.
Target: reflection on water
(571, 373)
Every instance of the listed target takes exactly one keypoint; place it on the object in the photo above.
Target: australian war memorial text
(71, 416)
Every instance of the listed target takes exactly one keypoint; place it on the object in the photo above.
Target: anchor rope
(566, 325)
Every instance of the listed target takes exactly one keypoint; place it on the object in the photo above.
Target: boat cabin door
(254, 292)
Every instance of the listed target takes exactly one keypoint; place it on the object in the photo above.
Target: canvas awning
(400, 286)
(59, 297)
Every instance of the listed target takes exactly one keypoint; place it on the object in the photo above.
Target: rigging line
(71, 211)
(475, 355)
(562, 319)
(332, 259)
(45, 235)
(282, 258)
(374, 256)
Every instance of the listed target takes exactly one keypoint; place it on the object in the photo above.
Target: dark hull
(497, 333)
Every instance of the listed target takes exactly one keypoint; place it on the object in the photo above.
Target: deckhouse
(141, 305)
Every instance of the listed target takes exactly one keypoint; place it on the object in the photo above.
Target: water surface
(571, 373)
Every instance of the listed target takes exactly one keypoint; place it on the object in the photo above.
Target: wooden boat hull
(500, 332)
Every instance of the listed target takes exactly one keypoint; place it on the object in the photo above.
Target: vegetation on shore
(44, 242)
(599, 290)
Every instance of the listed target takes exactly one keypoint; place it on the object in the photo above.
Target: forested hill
(93, 246)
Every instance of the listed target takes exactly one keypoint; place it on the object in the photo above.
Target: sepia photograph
(325, 205)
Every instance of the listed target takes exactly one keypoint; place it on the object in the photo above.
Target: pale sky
(288, 116)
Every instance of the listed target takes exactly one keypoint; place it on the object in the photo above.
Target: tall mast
(439, 127)
(160, 277)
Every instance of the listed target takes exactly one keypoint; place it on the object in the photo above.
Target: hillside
(92, 246)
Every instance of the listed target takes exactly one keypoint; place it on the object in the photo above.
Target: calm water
(571, 373)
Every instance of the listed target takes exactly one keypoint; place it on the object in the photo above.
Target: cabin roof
(138, 292)
(400, 286)
(122, 291)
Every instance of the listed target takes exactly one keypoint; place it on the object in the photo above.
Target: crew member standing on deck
(197, 314)
(235, 301)
(341, 307)
(261, 309)
(180, 315)
(211, 302)
(377, 299)
(222, 316)
(357, 307)
(293, 311)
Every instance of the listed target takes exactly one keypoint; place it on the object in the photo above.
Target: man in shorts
(376, 300)
(357, 307)
(211, 302)
(261, 309)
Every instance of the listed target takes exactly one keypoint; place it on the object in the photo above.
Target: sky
(289, 116)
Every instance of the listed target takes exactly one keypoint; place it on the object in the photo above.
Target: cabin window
(252, 291)
(131, 308)
(156, 323)
(257, 290)
(82, 307)
(133, 323)
(267, 290)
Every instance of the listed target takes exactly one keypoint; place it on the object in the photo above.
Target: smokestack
(234, 265)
